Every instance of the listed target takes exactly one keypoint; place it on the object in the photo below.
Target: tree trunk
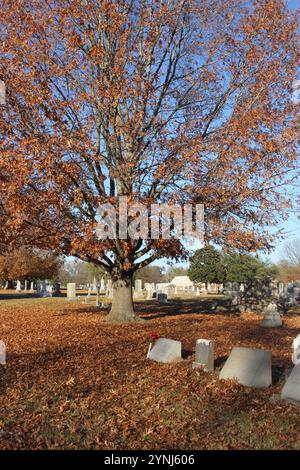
(122, 310)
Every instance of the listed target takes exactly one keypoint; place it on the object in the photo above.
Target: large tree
(157, 101)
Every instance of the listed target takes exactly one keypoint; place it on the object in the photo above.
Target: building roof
(182, 281)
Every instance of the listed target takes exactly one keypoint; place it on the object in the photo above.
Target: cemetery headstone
(57, 288)
(138, 285)
(2, 353)
(296, 352)
(102, 286)
(18, 288)
(42, 290)
(271, 317)
(204, 356)
(257, 294)
(251, 367)
(291, 389)
(162, 298)
(109, 289)
(165, 350)
(71, 291)
(87, 298)
(31, 288)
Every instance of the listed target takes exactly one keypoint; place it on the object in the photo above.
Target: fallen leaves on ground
(74, 381)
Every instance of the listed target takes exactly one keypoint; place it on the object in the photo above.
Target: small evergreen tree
(207, 265)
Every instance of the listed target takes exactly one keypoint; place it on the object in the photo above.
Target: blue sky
(293, 4)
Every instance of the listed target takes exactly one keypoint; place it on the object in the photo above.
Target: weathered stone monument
(162, 298)
(204, 357)
(71, 291)
(102, 286)
(291, 389)
(165, 350)
(251, 367)
(18, 288)
(56, 288)
(138, 285)
(42, 290)
(88, 296)
(109, 289)
(296, 352)
(271, 317)
(31, 288)
(2, 353)
(258, 294)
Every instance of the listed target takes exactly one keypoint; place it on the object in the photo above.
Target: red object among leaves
(153, 337)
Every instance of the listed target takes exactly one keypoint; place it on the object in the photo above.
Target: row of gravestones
(42, 288)
(257, 293)
(71, 293)
(250, 367)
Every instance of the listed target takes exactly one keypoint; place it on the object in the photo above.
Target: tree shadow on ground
(152, 309)
(27, 296)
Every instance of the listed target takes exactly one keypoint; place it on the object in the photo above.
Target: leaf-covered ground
(74, 381)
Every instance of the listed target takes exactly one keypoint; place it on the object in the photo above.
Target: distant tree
(207, 265)
(289, 265)
(176, 271)
(30, 264)
(292, 253)
(96, 272)
(150, 274)
(288, 272)
(242, 267)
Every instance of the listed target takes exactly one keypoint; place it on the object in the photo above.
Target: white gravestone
(296, 353)
(71, 291)
(162, 298)
(31, 288)
(204, 356)
(102, 286)
(18, 288)
(165, 350)
(198, 292)
(271, 317)
(87, 298)
(291, 389)
(138, 285)
(251, 367)
(2, 353)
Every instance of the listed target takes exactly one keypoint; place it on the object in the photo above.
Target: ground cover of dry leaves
(74, 381)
